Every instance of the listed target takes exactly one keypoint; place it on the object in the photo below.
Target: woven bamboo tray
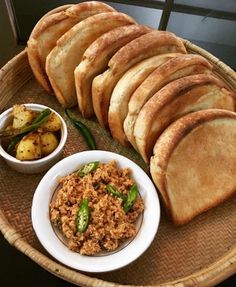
(202, 253)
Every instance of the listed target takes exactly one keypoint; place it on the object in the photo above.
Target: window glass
(28, 12)
(219, 5)
(218, 36)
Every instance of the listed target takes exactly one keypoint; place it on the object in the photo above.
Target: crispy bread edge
(166, 145)
(161, 99)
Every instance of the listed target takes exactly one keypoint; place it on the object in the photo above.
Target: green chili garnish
(83, 214)
(132, 196)
(114, 191)
(42, 118)
(84, 130)
(13, 143)
(88, 168)
(39, 120)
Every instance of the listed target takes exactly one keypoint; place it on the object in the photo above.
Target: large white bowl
(38, 165)
(109, 261)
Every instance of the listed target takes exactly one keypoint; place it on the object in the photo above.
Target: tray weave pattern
(202, 253)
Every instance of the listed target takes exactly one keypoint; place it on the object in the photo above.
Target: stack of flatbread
(144, 87)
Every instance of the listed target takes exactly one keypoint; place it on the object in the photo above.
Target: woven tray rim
(213, 274)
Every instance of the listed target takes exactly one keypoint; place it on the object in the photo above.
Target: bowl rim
(38, 107)
(45, 232)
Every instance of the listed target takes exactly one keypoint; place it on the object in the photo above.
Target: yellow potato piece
(29, 147)
(53, 124)
(49, 142)
(21, 116)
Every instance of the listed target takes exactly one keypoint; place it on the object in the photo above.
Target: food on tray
(83, 129)
(49, 143)
(68, 53)
(56, 10)
(53, 123)
(31, 135)
(51, 27)
(143, 47)
(22, 117)
(135, 79)
(29, 147)
(123, 90)
(178, 67)
(194, 163)
(178, 98)
(96, 207)
(96, 58)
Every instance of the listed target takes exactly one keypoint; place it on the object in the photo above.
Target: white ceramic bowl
(33, 166)
(110, 261)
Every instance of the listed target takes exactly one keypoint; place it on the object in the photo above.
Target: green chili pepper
(39, 120)
(132, 196)
(44, 113)
(83, 130)
(13, 143)
(42, 117)
(88, 168)
(114, 191)
(83, 214)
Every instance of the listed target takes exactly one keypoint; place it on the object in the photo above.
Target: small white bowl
(33, 166)
(108, 261)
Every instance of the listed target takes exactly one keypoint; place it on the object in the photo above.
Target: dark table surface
(18, 270)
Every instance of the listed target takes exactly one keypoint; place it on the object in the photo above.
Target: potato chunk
(29, 148)
(53, 124)
(48, 143)
(21, 116)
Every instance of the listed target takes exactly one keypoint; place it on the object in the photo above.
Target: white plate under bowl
(110, 261)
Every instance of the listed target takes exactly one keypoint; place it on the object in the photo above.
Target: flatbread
(148, 45)
(51, 27)
(178, 98)
(178, 67)
(95, 61)
(124, 89)
(67, 54)
(56, 10)
(194, 163)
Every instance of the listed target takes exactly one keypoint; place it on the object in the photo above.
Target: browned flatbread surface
(51, 27)
(124, 89)
(68, 53)
(56, 10)
(95, 61)
(178, 67)
(194, 163)
(145, 46)
(182, 96)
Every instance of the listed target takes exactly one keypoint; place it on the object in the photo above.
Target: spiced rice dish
(96, 207)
